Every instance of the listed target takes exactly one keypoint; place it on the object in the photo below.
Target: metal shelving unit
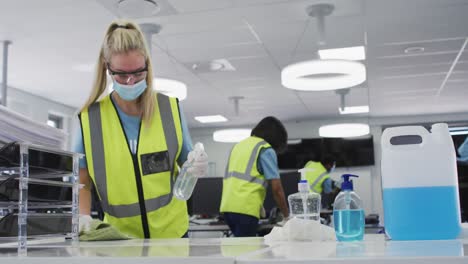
(23, 166)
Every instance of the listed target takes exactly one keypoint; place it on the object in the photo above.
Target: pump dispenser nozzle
(347, 183)
(303, 186)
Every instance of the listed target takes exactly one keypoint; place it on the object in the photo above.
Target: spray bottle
(186, 180)
(348, 213)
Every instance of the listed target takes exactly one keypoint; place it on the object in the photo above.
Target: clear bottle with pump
(304, 204)
(186, 180)
(348, 213)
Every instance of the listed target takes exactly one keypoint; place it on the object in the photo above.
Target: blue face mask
(130, 92)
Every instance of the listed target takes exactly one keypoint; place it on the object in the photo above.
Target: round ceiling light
(344, 130)
(231, 135)
(170, 87)
(137, 8)
(344, 74)
(413, 50)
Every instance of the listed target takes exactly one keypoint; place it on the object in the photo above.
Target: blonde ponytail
(122, 37)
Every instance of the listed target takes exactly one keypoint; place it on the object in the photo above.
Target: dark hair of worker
(273, 132)
(328, 160)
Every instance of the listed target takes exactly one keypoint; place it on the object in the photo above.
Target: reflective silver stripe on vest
(247, 178)
(227, 165)
(320, 177)
(170, 133)
(97, 148)
(246, 175)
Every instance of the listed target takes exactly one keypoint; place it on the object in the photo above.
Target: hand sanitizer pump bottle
(304, 204)
(348, 214)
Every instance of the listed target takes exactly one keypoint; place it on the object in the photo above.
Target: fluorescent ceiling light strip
(345, 74)
(457, 128)
(231, 135)
(294, 141)
(357, 53)
(460, 132)
(211, 119)
(454, 131)
(354, 109)
(344, 130)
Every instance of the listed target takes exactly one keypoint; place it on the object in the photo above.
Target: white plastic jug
(420, 184)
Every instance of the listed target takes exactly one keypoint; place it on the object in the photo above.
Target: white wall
(38, 108)
(368, 186)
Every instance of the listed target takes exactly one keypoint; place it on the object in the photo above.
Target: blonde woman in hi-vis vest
(133, 140)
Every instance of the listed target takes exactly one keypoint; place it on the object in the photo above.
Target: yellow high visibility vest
(244, 188)
(316, 177)
(135, 191)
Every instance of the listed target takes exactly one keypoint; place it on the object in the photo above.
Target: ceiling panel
(164, 7)
(413, 60)
(408, 70)
(407, 83)
(246, 3)
(457, 89)
(464, 56)
(204, 54)
(210, 39)
(289, 11)
(258, 37)
(184, 6)
(387, 19)
(431, 47)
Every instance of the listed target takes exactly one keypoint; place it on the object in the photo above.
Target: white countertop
(239, 250)
(182, 250)
(374, 249)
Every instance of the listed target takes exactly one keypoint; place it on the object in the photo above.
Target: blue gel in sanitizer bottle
(348, 214)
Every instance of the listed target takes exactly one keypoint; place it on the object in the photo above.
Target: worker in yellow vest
(319, 178)
(252, 165)
(133, 139)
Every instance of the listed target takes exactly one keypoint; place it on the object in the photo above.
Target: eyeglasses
(125, 77)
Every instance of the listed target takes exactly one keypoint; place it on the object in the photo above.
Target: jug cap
(347, 183)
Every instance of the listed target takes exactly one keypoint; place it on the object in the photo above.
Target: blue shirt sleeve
(327, 185)
(186, 139)
(268, 164)
(463, 151)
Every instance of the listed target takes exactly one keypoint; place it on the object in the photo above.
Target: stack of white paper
(17, 127)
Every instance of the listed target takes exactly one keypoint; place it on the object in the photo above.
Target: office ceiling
(56, 42)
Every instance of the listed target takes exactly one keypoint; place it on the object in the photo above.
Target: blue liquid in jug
(349, 224)
(421, 213)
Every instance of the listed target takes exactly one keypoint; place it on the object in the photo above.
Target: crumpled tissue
(297, 229)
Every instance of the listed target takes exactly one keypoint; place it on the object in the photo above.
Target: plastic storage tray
(38, 193)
